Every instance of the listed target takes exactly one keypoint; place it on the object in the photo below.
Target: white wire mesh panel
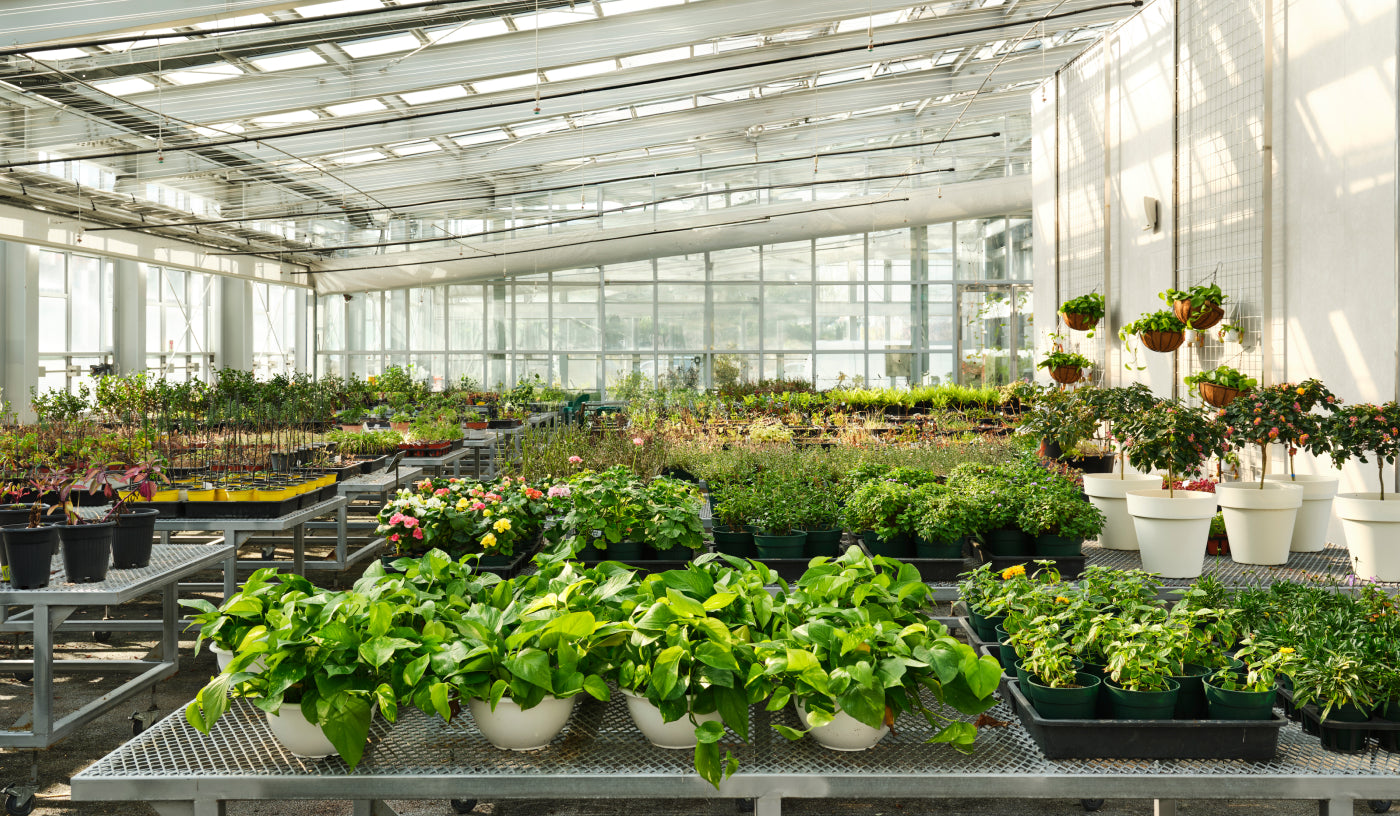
(1081, 190)
(1220, 168)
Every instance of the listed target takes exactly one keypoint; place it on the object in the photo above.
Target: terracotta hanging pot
(1163, 341)
(1217, 395)
(1079, 322)
(1209, 315)
(1066, 374)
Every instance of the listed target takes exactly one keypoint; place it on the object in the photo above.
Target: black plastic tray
(1070, 566)
(1148, 739)
(168, 509)
(241, 509)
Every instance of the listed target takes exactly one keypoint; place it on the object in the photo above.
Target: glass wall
(178, 306)
(275, 328)
(887, 308)
(75, 318)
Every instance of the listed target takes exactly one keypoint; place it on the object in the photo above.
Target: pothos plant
(1174, 437)
(1088, 308)
(1159, 321)
(855, 640)
(1200, 297)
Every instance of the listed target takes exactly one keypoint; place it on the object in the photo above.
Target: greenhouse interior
(415, 407)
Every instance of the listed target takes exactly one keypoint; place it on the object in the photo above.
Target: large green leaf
(665, 672)
(532, 666)
(712, 654)
(684, 604)
(347, 726)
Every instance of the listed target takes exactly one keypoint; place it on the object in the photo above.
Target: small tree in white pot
(1371, 521)
(1259, 515)
(1302, 428)
(1107, 491)
(1172, 525)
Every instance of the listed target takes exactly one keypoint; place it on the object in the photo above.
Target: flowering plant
(1362, 429)
(1174, 437)
(459, 516)
(1275, 414)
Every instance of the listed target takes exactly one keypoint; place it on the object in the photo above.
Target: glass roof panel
(433, 95)
(580, 71)
(654, 57)
(474, 30)
(480, 137)
(669, 106)
(550, 19)
(125, 87)
(230, 22)
(203, 74)
(289, 118)
(288, 60)
(357, 157)
(611, 7)
(353, 108)
(59, 54)
(535, 127)
(146, 43)
(506, 83)
(380, 45)
(338, 7)
(414, 148)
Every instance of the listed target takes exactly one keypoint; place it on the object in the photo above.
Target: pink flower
(441, 491)
(425, 484)
(394, 538)
(560, 492)
(396, 518)
(418, 533)
(479, 506)
(493, 497)
(574, 460)
(1273, 433)
(637, 440)
(410, 522)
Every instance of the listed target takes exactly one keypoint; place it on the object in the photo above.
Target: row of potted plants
(848, 646)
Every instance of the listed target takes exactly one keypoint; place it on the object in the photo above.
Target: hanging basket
(1217, 395)
(1163, 341)
(1079, 322)
(1066, 374)
(1210, 314)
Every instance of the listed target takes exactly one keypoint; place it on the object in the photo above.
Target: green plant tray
(1148, 739)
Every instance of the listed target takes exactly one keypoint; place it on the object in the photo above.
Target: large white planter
(1106, 491)
(1310, 528)
(1172, 530)
(647, 718)
(511, 729)
(1372, 528)
(844, 733)
(302, 738)
(1259, 521)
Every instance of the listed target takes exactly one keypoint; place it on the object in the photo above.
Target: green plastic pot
(1191, 699)
(621, 551)
(823, 542)
(1141, 705)
(1008, 541)
(985, 626)
(1024, 677)
(901, 546)
(1065, 703)
(1053, 546)
(938, 548)
(1005, 652)
(1344, 740)
(734, 542)
(1225, 704)
(780, 546)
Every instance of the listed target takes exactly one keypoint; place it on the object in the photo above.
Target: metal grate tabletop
(120, 585)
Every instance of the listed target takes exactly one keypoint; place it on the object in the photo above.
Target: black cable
(586, 241)
(559, 188)
(565, 94)
(624, 208)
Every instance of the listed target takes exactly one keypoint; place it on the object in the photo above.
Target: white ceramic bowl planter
(647, 718)
(302, 738)
(221, 655)
(1259, 521)
(1172, 530)
(1106, 491)
(845, 733)
(511, 729)
(1372, 527)
(1310, 528)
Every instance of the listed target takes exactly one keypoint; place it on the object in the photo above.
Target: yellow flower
(502, 525)
(461, 505)
(1013, 572)
(486, 513)
(1302, 391)
(488, 541)
(1286, 650)
(1061, 599)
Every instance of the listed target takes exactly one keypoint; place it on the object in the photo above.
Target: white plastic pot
(1372, 527)
(511, 729)
(302, 738)
(647, 718)
(1259, 521)
(845, 733)
(1106, 492)
(1172, 530)
(222, 656)
(1310, 528)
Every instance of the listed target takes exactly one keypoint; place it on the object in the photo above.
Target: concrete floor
(108, 732)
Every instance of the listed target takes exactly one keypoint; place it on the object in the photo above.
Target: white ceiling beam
(26, 22)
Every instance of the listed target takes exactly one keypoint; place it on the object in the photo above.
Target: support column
(129, 334)
(19, 306)
(303, 358)
(235, 348)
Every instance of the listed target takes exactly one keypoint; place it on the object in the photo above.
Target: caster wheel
(463, 805)
(15, 808)
(1091, 805)
(137, 727)
(1379, 805)
(102, 637)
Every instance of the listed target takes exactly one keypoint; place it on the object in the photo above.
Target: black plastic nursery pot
(900, 546)
(1053, 546)
(132, 539)
(938, 548)
(87, 551)
(12, 515)
(29, 552)
(1227, 704)
(822, 542)
(791, 545)
(1076, 702)
(734, 542)
(1344, 740)
(1126, 704)
(620, 551)
(1006, 542)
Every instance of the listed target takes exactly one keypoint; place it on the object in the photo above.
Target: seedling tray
(1148, 739)
(1070, 566)
(241, 509)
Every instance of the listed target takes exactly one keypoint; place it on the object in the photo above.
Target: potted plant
(778, 517)
(228, 627)
(1259, 516)
(847, 697)
(672, 516)
(1083, 313)
(134, 533)
(939, 519)
(1116, 408)
(1198, 306)
(878, 510)
(351, 419)
(1172, 525)
(87, 545)
(1232, 694)
(1370, 521)
(606, 512)
(401, 421)
(1059, 518)
(1218, 541)
(1065, 367)
(1220, 385)
(1068, 424)
(820, 519)
(733, 513)
(1139, 670)
(1159, 331)
(1055, 681)
(1343, 685)
(30, 548)
(1300, 428)
(1230, 333)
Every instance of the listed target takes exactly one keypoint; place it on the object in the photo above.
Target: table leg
(299, 549)
(1335, 807)
(231, 565)
(373, 807)
(170, 614)
(342, 545)
(202, 807)
(43, 673)
(768, 805)
(1163, 807)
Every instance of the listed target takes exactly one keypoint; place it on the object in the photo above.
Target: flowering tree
(1364, 429)
(1172, 436)
(1279, 414)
